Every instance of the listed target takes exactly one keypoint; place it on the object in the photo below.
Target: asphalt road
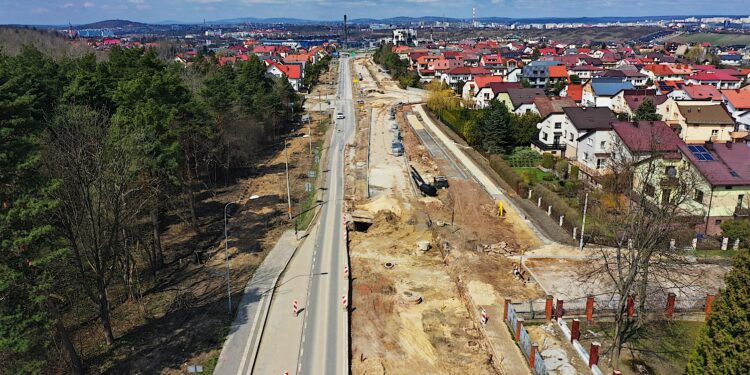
(325, 334)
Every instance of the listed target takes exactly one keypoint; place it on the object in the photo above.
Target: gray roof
(524, 96)
(591, 118)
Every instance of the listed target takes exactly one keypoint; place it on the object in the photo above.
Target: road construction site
(423, 267)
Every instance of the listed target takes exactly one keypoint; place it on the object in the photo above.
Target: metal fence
(525, 341)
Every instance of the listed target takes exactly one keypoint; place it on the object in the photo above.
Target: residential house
(581, 124)
(698, 122)
(720, 80)
(720, 177)
(550, 127)
(293, 73)
(598, 92)
(738, 104)
(471, 88)
(730, 59)
(702, 92)
(521, 100)
(626, 102)
(462, 74)
(538, 73)
(666, 72)
(491, 92)
(636, 78)
(573, 91)
(585, 71)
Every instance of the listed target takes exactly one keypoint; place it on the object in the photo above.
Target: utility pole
(288, 189)
(309, 134)
(583, 224)
(226, 258)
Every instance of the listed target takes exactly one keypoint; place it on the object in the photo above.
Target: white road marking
(246, 351)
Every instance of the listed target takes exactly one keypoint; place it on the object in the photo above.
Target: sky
(39, 12)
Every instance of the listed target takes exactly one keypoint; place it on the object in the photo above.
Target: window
(570, 136)
(649, 190)
(698, 196)
(714, 133)
(670, 171)
(586, 156)
(717, 222)
(558, 125)
(544, 136)
(528, 110)
(598, 163)
(590, 142)
(603, 144)
(739, 200)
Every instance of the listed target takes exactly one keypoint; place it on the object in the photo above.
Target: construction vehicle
(424, 187)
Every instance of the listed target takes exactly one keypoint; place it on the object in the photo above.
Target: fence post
(631, 306)
(559, 309)
(549, 210)
(539, 202)
(532, 357)
(695, 243)
(671, 297)
(589, 308)
(709, 301)
(505, 309)
(519, 325)
(530, 191)
(672, 244)
(736, 244)
(575, 330)
(594, 354)
(561, 219)
(548, 307)
(724, 243)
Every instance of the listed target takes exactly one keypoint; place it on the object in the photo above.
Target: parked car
(340, 116)
(397, 149)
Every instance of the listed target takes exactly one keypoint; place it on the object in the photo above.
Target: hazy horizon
(47, 12)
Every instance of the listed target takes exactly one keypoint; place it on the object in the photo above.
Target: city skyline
(149, 11)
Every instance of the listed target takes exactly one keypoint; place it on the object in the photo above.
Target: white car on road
(339, 116)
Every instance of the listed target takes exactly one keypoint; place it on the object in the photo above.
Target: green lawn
(535, 175)
(715, 253)
(713, 38)
(662, 346)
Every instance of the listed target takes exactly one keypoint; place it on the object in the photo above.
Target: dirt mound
(384, 203)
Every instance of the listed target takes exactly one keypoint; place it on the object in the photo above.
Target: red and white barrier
(295, 308)
(484, 317)
(344, 302)
(346, 270)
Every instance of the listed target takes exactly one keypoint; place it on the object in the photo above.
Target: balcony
(740, 211)
(548, 147)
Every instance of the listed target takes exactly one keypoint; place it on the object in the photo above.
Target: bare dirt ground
(559, 356)
(182, 317)
(440, 335)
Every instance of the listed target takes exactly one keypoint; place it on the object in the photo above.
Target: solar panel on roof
(699, 156)
(734, 174)
(692, 148)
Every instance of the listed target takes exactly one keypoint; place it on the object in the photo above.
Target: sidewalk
(240, 349)
(281, 338)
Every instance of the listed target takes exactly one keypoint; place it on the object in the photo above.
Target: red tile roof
(702, 92)
(712, 76)
(558, 71)
(468, 70)
(648, 136)
(728, 167)
(484, 81)
(575, 92)
(740, 99)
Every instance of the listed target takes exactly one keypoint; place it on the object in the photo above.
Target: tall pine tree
(723, 346)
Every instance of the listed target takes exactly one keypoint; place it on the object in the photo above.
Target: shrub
(548, 160)
(507, 173)
(561, 167)
(573, 172)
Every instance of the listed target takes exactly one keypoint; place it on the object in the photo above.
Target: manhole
(389, 265)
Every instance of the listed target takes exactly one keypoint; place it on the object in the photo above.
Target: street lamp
(226, 258)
